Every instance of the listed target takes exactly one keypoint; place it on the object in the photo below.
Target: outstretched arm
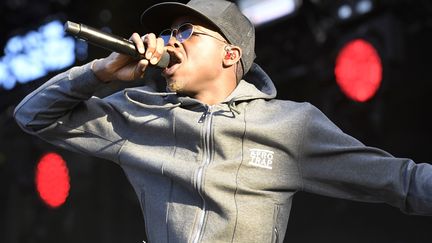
(335, 164)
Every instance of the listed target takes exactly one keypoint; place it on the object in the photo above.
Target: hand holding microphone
(129, 58)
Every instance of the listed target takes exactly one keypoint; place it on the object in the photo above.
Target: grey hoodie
(222, 173)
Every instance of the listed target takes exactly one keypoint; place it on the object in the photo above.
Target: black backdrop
(298, 52)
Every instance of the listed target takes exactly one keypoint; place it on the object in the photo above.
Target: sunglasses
(182, 33)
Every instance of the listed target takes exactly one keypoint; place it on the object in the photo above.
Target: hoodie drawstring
(167, 106)
(233, 107)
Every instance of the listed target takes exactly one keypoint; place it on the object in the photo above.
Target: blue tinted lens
(184, 32)
(165, 35)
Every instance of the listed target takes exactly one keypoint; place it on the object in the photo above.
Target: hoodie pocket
(275, 234)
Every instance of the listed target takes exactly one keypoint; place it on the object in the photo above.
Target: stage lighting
(345, 11)
(35, 54)
(358, 70)
(364, 6)
(52, 180)
(264, 11)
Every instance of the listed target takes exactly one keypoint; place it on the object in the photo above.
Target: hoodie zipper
(275, 237)
(207, 119)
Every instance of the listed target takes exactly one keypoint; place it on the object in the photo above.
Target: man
(217, 158)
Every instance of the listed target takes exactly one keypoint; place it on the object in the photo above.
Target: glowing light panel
(262, 11)
(33, 55)
(359, 70)
(52, 180)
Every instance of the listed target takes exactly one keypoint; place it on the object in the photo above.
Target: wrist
(98, 70)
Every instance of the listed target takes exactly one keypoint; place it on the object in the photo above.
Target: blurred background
(365, 63)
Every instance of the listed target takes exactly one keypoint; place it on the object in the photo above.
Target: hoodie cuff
(83, 79)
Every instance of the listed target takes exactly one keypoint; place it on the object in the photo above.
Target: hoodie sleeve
(63, 112)
(336, 165)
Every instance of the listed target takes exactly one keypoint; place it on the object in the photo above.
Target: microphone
(110, 42)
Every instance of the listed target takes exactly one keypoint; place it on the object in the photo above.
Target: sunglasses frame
(178, 33)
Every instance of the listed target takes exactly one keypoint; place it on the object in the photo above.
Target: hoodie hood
(255, 85)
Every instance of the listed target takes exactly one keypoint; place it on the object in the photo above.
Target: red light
(358, 70)
(52, 180)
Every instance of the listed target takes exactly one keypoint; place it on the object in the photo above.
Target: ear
(231, 55)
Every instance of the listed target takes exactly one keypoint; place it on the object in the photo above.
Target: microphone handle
(109, 41)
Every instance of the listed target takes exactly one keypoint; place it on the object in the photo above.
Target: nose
(173, 42)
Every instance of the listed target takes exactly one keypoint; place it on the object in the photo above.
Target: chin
(174, 85)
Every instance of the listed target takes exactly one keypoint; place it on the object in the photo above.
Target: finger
(140, 68)
(160, 46)
(116, 61)
(136, 39)
(150, 42)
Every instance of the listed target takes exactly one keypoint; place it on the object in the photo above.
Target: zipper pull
(202, 118)
(205, 113)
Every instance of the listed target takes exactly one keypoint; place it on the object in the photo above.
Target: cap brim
(161, 16)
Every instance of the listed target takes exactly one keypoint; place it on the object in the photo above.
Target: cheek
(206, 59)
(203, 50)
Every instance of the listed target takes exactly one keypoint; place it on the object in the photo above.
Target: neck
(217, 91)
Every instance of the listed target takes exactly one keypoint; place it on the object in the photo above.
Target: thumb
(140, 68)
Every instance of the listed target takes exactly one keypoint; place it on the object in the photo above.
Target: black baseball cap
(224, 15)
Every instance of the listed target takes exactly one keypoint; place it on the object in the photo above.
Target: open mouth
(175, 61)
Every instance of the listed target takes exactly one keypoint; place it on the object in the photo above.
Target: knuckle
(159, 52)
(143, 63)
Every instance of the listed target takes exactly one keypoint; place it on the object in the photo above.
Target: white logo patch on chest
(261, 158)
